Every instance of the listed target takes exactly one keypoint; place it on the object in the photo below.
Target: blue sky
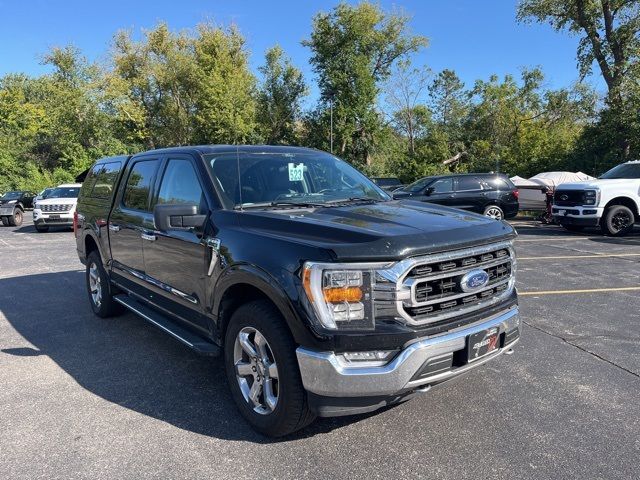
(475, 38)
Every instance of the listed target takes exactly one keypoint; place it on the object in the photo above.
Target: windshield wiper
(356, 199)
(279, 204)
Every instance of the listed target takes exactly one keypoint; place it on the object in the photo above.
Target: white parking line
(599, 255)
(564, 292)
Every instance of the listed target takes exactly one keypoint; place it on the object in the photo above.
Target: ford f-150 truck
(323, 295)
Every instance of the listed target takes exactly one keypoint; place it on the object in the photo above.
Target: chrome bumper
(323, 373)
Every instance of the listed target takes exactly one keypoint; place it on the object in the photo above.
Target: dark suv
(13, 205)
(324, 296)
(489, 194)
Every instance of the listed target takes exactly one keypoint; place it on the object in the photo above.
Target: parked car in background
(324, 296)
(611, 201)
(58, 208)
(388, 183)
(43, 194)
(489, 194)
(12, 206)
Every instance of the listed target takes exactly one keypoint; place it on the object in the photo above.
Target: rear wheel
(262, 371)
(99, 288)
(15, 220)
(618, 220)
(494, 211)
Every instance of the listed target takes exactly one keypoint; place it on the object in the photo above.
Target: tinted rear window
(101, 180)
(136, 193)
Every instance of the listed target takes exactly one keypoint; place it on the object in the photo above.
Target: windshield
(418, 185)
(11, 195)
(63, 192)
(46, 193)
(626, 170)
(275, 179)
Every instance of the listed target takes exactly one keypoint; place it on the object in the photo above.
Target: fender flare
(89, 232)
(269, 286)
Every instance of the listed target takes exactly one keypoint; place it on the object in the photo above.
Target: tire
(617, 221)
(99, 288)
(41, 229)
(15, 220)
(573, 228)
(494, 211)
(5, 221)
(290, 412)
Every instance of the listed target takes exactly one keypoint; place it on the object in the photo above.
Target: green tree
(354, 48)
(279, 98)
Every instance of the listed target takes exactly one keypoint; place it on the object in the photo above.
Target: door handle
(114, 228)
(149, 237)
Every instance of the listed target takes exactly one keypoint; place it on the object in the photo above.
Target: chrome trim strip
(324, 374)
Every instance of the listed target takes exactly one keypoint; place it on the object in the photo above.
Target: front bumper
(585, 216)
(7, 210)
(425, 362)
(40, 218)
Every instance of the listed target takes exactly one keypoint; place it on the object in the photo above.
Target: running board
(190, 339)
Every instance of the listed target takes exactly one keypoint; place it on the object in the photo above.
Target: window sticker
(296, 172)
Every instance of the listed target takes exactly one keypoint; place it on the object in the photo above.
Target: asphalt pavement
(82, 397)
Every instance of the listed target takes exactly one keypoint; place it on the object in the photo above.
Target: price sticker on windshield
(296, 172)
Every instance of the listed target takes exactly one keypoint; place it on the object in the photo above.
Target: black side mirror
(170, 216)
(429, 191)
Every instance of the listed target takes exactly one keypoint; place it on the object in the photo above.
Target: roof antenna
(239, 177)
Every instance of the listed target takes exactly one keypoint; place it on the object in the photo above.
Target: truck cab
(323, 295)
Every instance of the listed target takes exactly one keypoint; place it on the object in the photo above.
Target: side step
(190, 339)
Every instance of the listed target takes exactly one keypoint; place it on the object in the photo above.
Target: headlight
(591, 197)
(341, 294)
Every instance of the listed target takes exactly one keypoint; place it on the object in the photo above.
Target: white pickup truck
(610, 202)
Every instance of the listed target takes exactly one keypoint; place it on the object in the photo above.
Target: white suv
(610, 201)
(58, 208)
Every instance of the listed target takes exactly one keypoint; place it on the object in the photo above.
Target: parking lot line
(561, 257)
(565, 292)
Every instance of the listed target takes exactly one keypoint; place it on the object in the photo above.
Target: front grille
(58, 207)
(429, 289)
(568, 198)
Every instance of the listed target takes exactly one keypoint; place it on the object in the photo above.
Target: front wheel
(5, 221)
(262, 371)
(494, 211)
(617, 221)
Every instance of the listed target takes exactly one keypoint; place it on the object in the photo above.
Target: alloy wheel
(621, 221)
(256, 370)
(95, 285)
(494, 212)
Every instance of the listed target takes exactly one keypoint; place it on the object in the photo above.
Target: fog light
(373, 358)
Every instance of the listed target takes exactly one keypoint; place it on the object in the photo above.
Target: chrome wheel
(256, 370)
(95, 285)
(493, 212)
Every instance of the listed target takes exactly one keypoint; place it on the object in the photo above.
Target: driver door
(440, 191)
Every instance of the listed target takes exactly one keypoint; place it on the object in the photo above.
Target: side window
(136, 193)
(180, 184)
(443, 185)
(105, 180)
(469, 183)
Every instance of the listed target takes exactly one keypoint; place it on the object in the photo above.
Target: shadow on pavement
(126, 361)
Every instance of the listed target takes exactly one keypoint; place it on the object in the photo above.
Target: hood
(57, 201)
(380, 231)
(597, 183)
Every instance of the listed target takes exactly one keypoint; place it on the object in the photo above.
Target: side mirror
(168, 216)
(429, 191)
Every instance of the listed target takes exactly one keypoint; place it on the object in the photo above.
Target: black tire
(494, 211)
(617, 221)
(291, 412)
(106, 306)
(15, 220)
(41, 229)
(573, 228)
(5, 221)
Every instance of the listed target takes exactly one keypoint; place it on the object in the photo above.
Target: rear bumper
(511, 210)
(335, 387)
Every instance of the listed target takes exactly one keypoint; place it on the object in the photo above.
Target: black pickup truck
(324, 296)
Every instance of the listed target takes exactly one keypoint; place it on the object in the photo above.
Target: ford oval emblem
(564, 197)
(474, 280)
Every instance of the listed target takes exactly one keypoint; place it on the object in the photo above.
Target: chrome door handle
(114, 228)
(146, 236)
